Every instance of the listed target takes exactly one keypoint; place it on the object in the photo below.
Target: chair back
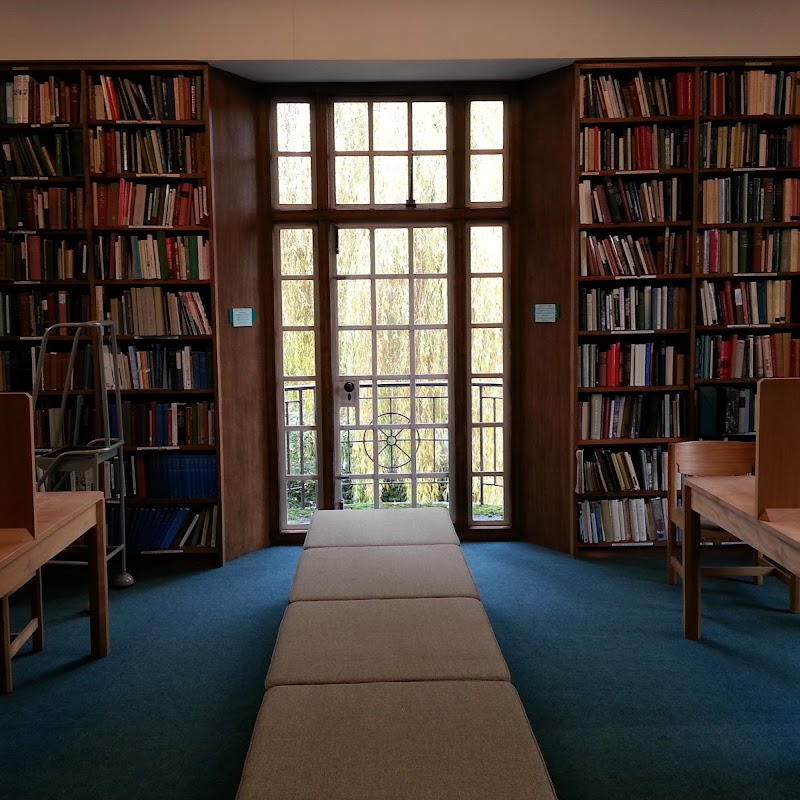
(778, 445)
(708, 459)
(17, 471)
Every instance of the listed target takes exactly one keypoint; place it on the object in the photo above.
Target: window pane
(430, 301)
(357, 451)
(488, 498)
(486, 179)
(299, 403)
(354, 305)
(301, 501)
(358, 493)
(355, 353)
(391, 250)
(487, 400)
(433, 491)
(391, 300)
(353, 256)
(394, 402)
(390, 126)
(432, 402)
(299, 353)
(350, 126)
(294, 127)
(432, 450)
(430, 179)
(429, 125)
(486, 125)
(297, 251)
(430, 351)
(487, 300)
(297, 303)
(395, 493)
(430, 250)
(391, 180)
(393, 352)
(487, 350)
(486, 249)
(301, 452)
(294, 180)
(352, 180)
(487, 449)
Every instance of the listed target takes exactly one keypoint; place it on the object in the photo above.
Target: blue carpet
(622, 705)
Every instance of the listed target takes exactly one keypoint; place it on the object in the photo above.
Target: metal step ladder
(57, 465)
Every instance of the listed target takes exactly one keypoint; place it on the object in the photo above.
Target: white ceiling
(370, 71)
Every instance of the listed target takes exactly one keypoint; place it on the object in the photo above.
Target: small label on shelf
(242, 317)
(545, 312)
(753, 169)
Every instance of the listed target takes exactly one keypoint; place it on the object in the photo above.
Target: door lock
(348, 394)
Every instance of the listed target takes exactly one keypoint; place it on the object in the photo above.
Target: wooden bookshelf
(744, 235)
(143, 133)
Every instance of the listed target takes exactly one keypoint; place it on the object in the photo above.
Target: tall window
(390, 256)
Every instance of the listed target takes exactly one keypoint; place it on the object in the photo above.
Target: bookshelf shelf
(172, 448)
(681, 223)
(152, 282)
(764, 328)
(667, 277)
(609, 545)
(139, 502)
(634, 120)
(39, 126)
(735, 276)
(746, 225)
(69, 179)
(147, 123)
(626, 442)
(648, 332)
(152, 228)
(630, 389)
(614, 495)
(634, 172)
(154, 176)
(761, 118)
(726, 381)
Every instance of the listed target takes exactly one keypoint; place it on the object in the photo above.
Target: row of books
(773, 356)
(42, 155)
(744, 302)
(749, 92)
(645, 364)
(165, 424)
(604, 470)
(747, 144)
(636, 147)
(158, 97)
(750, 198)
(159, 529)
(31, 313)
(37, 258)
(133, 204)
(27, 100)
(179, 475)
(51, 207)
(638, 96)
(53, 429)
(603, 416)
(159, 367)
(725, 411)
(748, 250)
(632, 200)
(153, 257)
(633, 308)
(633, 520)
(150, 311)
(634, 255)
(151, 150)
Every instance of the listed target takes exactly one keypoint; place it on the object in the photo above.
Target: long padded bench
(386, 681)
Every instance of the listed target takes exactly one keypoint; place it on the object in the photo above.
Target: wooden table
(730, 502)
(61, 518)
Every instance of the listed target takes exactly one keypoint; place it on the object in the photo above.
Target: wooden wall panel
(245, 356)
(543, 354)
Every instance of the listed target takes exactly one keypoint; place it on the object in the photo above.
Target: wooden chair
(708, 459)
(17, 518)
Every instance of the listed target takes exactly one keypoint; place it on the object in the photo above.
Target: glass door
(391, 365)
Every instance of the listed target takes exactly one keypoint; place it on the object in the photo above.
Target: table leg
(5, 647)
(691, 568)
(98, 584)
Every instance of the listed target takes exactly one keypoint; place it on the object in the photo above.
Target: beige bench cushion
(359, 641)
(381, 527)
(394, 741)
(374, 573)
